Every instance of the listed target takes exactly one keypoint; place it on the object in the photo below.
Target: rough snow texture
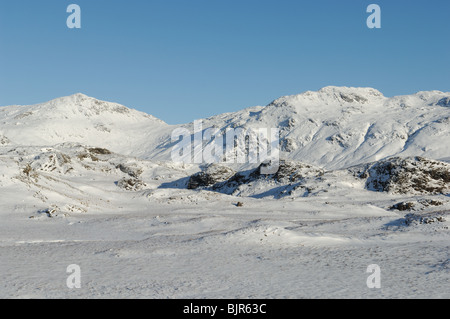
(81, 119)
(363, 180)
(290, 176)
(339, 127)
(412, 175)
(335, 127)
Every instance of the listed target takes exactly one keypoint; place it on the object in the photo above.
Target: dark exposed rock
(349, 98)
(4, 140)
(430, 202)
(131, 184)
(210, 175)
(133, 172)
(225, 180)
(445, 102)
(288, 145)
(419, 205)
(100, 151)
(412, 175)
(403, 206)
(415, 219)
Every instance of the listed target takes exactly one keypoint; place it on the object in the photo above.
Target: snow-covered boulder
(411, 175)
(210, 175)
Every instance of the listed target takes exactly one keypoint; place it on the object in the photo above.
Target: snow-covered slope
(407, 176)
(73, 178)
(335, 127)
(81, 119)
(80, 183)
(338, 127)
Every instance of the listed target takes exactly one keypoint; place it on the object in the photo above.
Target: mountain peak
(83, 104)
(331, 95)
(75, 98)
(79, 95)
(362, 91)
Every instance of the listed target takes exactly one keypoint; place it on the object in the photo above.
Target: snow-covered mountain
(362, 181)
(339, 127)
(335, 134)
(335, 127)
(79, 119)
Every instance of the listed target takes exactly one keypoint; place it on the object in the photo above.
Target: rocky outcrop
(210, 175)
(412, 175)
(223, 179)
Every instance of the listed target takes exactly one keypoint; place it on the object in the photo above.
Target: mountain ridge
(334, 127)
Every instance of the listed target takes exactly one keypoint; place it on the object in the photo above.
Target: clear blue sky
(182, 60)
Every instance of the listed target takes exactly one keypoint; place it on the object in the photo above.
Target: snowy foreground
(211, 249)
(165, 241)
(364, 180)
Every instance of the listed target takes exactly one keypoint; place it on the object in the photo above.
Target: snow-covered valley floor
(302, 248)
